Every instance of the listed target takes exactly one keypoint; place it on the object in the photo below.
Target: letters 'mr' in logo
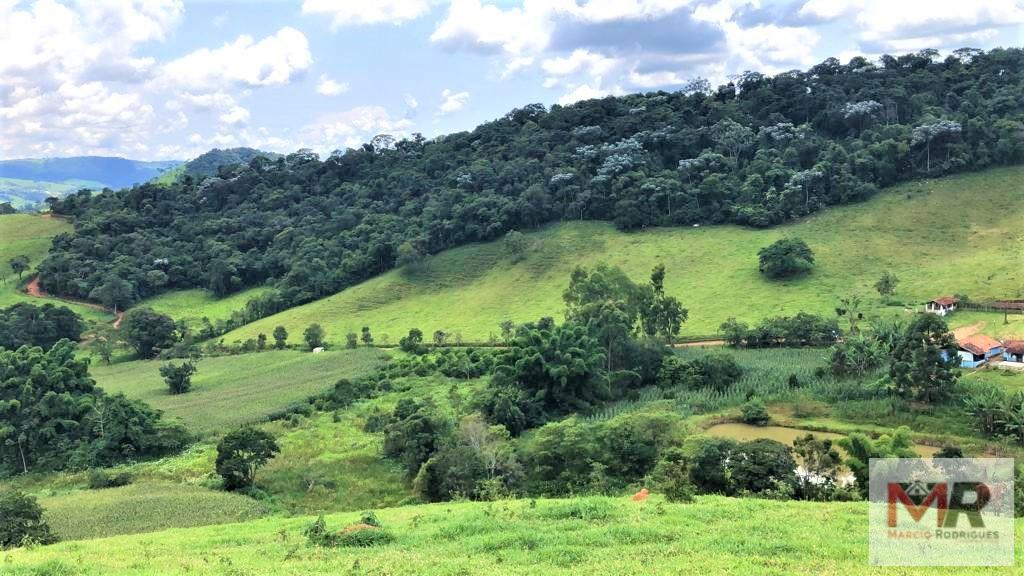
(917, 498)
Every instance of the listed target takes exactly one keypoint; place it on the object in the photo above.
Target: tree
(147, 331)
(351, 341)
(886, 285)
(178, 378)
(280, 337)
(671, 476)
(785, 258)
(54, 417)
(663, 315)
(26, 324)
(21, 520)
(924, 361)
(114, 293)
(440, 337)
(516, 245)
(850, 308)
(314, 336)
(860, 449)
(413, 342)
(409, 256)
(261, 341)
(19, 264)
(507, 330)
(367, 336)
(241, 453)
(103, 343)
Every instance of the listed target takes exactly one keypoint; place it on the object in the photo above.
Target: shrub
(21, 521)
(178, 378)
(367, 532)
(754, 413)
(98, 479)
(785, 258)
(671, 476)
(718, 371)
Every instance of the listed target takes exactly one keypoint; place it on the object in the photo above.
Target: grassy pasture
(232, 390)
(30, 235)
(594, 535)
(192, 305)
(918, 231)
(143, 508)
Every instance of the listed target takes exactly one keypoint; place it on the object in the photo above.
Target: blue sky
(160, 79)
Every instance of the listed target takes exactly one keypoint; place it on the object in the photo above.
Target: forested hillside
(759, 151)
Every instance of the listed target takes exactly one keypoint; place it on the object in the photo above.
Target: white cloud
(236, 115)
(273, 60)
(349, 129)
(452, 102)
(472, 25)
(581, 60)
(656, 79)
(411, 102)
(69, 80)
(355, 12)
(916, 24)
(589, 91)
(327, 87)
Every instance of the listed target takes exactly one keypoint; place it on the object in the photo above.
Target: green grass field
(193, 305)
(595, 535)
(232, 390)
(143, 508)
(923, 232)
(30, 235)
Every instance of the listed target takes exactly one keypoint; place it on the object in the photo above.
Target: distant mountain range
(26, 183)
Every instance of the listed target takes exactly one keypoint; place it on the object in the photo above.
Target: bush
(367, 532)
(785, 258)
(98, 479)
(754, 413)
(21, 521)
(671, 476)
(178, 378)
(718, 371)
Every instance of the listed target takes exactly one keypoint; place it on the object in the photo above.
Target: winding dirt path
(33, 289)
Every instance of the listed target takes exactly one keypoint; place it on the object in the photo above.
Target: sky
(170, 79)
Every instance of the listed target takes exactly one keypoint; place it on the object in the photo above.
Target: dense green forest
(758, 151)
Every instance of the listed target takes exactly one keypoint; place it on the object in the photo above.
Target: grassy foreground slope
(30, 235)
(232, 390)
(954, 235)
(596, 535)
(143, 508)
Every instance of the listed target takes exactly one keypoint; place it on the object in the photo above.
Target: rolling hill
(26, 183)
(594, 535)
(30, 235)
(956, 235)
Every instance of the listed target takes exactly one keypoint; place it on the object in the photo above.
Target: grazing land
(146, 507)
(30, 235)
(592, 535)
(909, 230)
(232, 390)
(191, 306)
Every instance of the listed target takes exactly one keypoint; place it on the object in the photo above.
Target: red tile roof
(1014, 346)
(946, 300)
(978, 343)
